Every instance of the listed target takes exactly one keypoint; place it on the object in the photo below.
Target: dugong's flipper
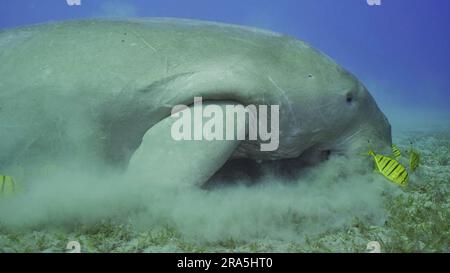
(162, 160)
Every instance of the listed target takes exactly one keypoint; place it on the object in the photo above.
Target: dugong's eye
(310, 76)
(349, 97)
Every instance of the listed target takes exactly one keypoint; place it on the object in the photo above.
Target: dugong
(103, 90)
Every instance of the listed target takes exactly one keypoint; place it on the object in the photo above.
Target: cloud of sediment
(329, 196)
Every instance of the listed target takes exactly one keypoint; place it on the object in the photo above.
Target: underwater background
(400, 50)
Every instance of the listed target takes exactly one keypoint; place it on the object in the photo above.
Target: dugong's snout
(369, 138)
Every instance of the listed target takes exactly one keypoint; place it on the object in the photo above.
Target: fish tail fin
(7, 186)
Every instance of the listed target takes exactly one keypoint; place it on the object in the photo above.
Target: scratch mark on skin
(144, 41)
(167, 65)
(350, 137)
(170, 65)
(283, 93)
(346, 140)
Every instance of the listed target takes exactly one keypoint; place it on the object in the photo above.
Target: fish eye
(310, 76)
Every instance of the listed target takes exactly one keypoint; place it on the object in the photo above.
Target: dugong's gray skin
(99, 89)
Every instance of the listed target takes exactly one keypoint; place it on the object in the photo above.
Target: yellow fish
(414, 159)
(390, 168)
(396, 151)
(7, 186)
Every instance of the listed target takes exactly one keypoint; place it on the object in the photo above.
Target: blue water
(399, 49)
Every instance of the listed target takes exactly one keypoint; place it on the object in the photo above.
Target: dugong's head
(329, 109)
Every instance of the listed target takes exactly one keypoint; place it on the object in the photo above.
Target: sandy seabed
(414, 219)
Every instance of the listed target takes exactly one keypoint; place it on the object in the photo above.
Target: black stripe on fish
(389, 161)
(394, 169)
